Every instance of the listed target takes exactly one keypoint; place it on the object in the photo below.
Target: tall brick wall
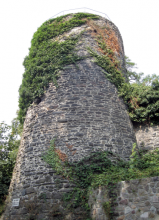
(84, 114)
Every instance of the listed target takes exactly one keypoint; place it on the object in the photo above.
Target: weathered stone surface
(124, 202)
(138, 208)
(127, 209)
(29, 190)
(85, 115)
(147, 136)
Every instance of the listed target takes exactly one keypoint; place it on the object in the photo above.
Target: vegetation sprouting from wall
(100, 168)
(47, 56)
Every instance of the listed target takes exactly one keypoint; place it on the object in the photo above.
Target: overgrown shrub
(141, 96)
(101, 168)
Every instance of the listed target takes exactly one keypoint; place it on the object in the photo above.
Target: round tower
(79, 109)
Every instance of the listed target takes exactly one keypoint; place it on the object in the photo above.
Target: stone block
(153, 209)
(147, 203)
(23, 211)
(156, 205)
(17, 217)
(56, 195)
(40, 181)
(14, 212)
(142, 192)
(144, 215)
(141, 204)
(23, 192)
(121, 217)
(127, 210)
(66, 185)
(156, 178)
(66, 190)
(124, 202)
(155, 199)
(29, 149)
(151, 215)
(48, 178)
(144, 198)
(29, 190)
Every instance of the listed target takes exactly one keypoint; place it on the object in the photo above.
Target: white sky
(137, 21)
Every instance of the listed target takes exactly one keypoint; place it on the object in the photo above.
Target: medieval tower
(74, 104)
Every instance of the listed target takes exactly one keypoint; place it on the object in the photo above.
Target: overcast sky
(137, 21)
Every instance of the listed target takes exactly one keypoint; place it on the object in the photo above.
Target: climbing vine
(101, 168)
(47, 56)
(141, 99)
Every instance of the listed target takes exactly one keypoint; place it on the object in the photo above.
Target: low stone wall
(96, 201)
(147, 136)
(136, 200)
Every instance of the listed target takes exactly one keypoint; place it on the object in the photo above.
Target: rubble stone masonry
(84, 114)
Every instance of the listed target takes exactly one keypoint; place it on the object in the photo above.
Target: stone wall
(136, 200)
(85, 115)
(147, 136)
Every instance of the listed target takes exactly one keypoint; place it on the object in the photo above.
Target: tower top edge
(81, 10)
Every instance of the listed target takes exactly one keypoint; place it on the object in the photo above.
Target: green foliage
(131, 74)
(150, 80)
(47, 56)
(84, 171)
(111, 72)
(52, 158)
(141, 97)
(107, 208)
(9, 143)
(143, 102)
(98, 169)
(142, 164)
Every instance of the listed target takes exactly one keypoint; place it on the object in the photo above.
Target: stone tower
(84, 114)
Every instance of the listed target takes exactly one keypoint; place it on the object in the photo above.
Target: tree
(131, 74)
(9, 143)
(142, 95)
(150, 80)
